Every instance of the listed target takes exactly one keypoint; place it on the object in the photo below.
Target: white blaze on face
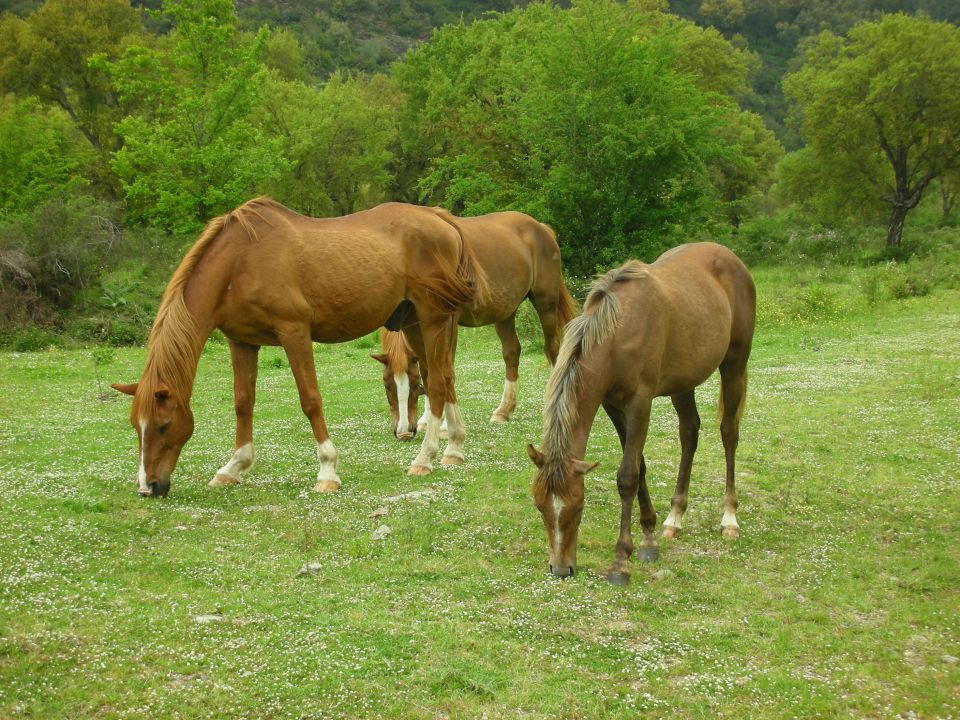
(403, 397)
(142, 485)
(558, 506)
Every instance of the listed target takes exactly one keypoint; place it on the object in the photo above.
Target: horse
(646, 331)
(521, 260)
(265, 275)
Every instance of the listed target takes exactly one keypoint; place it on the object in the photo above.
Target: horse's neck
(574, 445)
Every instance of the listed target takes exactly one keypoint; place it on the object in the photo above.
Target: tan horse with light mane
(646, 331)
(265, 275)
(520, 259)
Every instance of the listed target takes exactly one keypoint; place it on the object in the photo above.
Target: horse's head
(560, 510)
(403, 391)
(164, 423)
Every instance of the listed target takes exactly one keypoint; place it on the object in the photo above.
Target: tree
(880, 112)
(338, 141)
(42, 155)
(586, 118)
(190, 148)
(46, 55)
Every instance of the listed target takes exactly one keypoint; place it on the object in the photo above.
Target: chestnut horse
(521, 260)
(646, 331)
(265, 275)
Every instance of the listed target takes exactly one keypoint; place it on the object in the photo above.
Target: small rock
(801, 598)
(950, 659)
(662, 574)
(381, 532)
(308, 569)
(379, 513)
(411, 495)
(207, 619)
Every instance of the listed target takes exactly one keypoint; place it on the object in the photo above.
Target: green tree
(46, 55)
(42, 155)
(880, 112)
(190, 148)
(586, 118)
(338, 141)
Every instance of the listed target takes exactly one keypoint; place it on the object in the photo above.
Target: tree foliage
(591, 119)
(190, 148)
(880, 111)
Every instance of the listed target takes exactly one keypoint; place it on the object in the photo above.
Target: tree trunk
(947, 200)
(895, 225)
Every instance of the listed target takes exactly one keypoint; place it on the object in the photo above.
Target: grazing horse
(521, 260)
(646, 331)
(265, 275)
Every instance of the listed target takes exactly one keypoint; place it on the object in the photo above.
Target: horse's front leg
(244, 360)
(298, 346)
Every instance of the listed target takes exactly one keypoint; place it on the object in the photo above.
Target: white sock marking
(327, 455)
(674, 519)
(430, 445)
(403, 397)
(729, 519)
(241, 460)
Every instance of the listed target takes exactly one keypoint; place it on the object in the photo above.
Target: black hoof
(648, 554)
(615, 577)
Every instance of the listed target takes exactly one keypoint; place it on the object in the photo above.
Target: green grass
(840, 600)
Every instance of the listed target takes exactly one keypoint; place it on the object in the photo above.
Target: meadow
(264, 600)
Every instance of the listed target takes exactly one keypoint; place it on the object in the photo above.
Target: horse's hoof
(670, 532)
(498, 418)
(419, 470)
(443, 434)
(730, 532)
(451, 460)
(648, 554)
(327, 486)
(617, 577)
(219, 480)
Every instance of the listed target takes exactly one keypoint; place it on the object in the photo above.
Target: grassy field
(841, 599)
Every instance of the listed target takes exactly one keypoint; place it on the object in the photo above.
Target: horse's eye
(163, 428)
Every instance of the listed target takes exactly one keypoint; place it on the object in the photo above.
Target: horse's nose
(406, 435)
(562, 571)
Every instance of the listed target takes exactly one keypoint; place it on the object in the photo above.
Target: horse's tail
(471, 280)
(743, 399)
(567, 308)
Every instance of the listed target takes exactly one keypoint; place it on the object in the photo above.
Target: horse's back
(681, 316)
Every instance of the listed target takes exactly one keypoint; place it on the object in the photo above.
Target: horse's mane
(600, 318)
(173, 349)
(398, 351)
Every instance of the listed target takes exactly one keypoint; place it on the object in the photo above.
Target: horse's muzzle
(404, 436)
(562, 571)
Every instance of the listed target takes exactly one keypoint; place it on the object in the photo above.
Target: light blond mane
(173, 349)
(398, 351)
(600, 318)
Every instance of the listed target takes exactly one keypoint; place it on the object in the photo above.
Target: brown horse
(265, 275)
(646, 331)
(521, 260)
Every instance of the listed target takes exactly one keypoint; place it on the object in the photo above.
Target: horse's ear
(535, 455)
(126, 388)
(162, 392)
(583, 467)
(380, 358)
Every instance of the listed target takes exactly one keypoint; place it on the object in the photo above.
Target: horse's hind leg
(686, 407)
(546, 307)
(244, 360)
(507, 332)
(299, 349)
(733, 389)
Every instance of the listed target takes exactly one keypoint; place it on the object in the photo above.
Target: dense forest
(627, 126)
